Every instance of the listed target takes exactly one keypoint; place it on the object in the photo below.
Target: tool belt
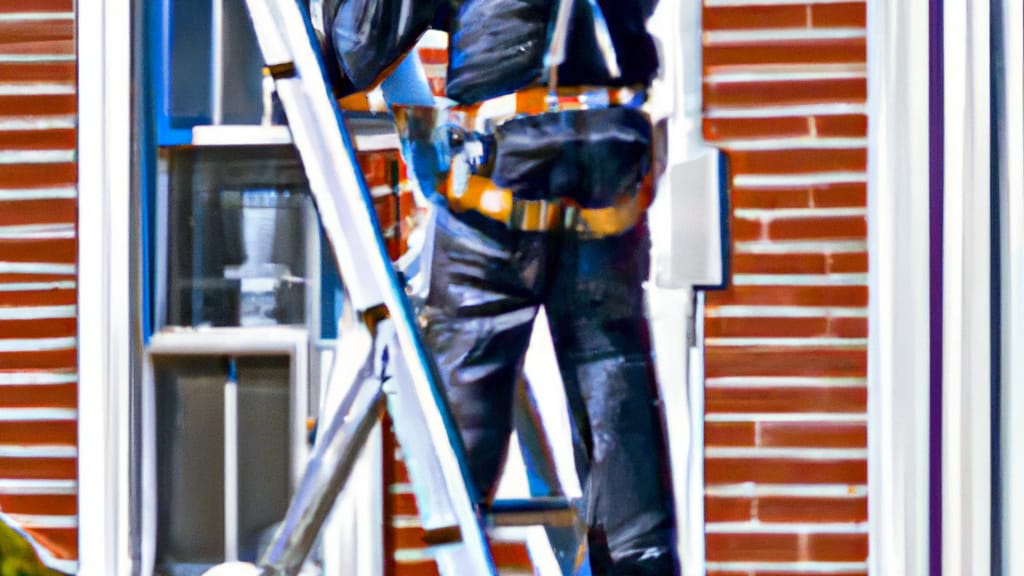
(481, 195)
(485, 116)
(461, 144)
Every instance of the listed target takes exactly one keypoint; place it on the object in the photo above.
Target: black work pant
(487, 283)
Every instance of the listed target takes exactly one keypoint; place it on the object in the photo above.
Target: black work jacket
(496, 46)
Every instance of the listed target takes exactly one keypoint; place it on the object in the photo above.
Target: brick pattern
(785, 363)
(38, 326)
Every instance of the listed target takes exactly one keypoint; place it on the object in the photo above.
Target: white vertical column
(104, 163)
(966, 341)
(898, 236)
(1012, 234)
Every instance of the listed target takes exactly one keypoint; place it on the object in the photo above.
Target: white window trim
(104, 190)
(898, 318)
(966, 310)
(1012, 233)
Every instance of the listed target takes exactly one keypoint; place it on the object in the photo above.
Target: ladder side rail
(343, 202)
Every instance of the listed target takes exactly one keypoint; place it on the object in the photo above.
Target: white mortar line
(35, 313)
(752, 490)
(783, 382)
(787, 453)
(781, 35)
(58, 193)
(789, 342)
(784, 312)
(37, 414)
(802, 247)
(818, 417)
(755, 527)
(754, 111)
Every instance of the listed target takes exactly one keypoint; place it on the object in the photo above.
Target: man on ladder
(543, 206)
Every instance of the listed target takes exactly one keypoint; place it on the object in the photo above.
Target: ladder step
(548, 511)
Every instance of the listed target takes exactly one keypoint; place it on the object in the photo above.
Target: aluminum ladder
(381, 362)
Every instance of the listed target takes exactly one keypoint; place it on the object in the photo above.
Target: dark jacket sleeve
(368, 36)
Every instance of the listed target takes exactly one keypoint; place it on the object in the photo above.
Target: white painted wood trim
(966, 341)
(104, 153)
(1013, 292)
(898, 232)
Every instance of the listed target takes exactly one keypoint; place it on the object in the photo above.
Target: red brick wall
(38, 381)
(786, 352)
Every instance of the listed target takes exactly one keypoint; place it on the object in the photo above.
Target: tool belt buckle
(534, 215)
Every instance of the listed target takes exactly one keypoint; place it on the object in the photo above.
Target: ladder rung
(549, 511)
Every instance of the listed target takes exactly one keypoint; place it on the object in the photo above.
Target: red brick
(798, 161)
(848, 327)
(402, 504)
(38, 212)
(56, 139)
(779, 264)
(38, 468)
(735, 128)
(408, 537)
(717, 327)
(846, 126)
(775, 198)
(59, 72)
(844, 15)
(48, 47)
(783, 471)
(38, 328)
(785, 400)
(729, 433)
(815, 51)
(786, 547)
(39, 360)
(12, 6)
(49, 504)
(50, 250)
(847, 262)
(784, 361)
(38, 175)
(840, 196)
(62, 542)
(15, 278)
(39, 432)
(754, 17)
(791, 296)
(727, 509)
(835, 228)
(764, 94)
(38, 105)
(511, 556)
(33, 396)
(812, 434)
(22, 31)
(433, 55)
(786, 509)
(747, 230)
(62, 297)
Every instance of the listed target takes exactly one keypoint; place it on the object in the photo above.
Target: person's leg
(476, 319)
(596, 311)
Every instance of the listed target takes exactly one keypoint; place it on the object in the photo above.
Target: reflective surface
(238, 224)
